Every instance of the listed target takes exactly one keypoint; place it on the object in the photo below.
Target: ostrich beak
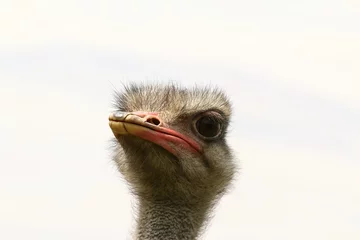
(149, 126)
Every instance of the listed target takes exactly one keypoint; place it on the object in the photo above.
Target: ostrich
(170, 147)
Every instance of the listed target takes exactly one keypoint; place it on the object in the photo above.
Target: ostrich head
(170, 142)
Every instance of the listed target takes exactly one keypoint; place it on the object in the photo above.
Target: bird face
(171, 141)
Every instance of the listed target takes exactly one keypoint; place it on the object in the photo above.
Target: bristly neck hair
(169, 220)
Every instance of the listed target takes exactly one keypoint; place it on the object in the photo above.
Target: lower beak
(150, 127)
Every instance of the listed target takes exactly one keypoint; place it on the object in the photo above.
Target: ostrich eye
(208, 126)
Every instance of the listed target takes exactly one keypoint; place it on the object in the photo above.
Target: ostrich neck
(168, 220)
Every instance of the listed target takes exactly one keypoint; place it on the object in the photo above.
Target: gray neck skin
(170, 221)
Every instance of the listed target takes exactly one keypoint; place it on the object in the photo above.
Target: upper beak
(149, 126)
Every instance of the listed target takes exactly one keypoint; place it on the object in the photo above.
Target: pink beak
(148, 126)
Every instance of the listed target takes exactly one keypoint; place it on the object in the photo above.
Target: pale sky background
(291, 68)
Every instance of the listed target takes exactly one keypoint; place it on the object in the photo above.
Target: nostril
(153, 120)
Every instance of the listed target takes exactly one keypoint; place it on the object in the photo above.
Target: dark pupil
(207, 127)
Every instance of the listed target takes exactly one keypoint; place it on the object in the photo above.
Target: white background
(291, 69)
